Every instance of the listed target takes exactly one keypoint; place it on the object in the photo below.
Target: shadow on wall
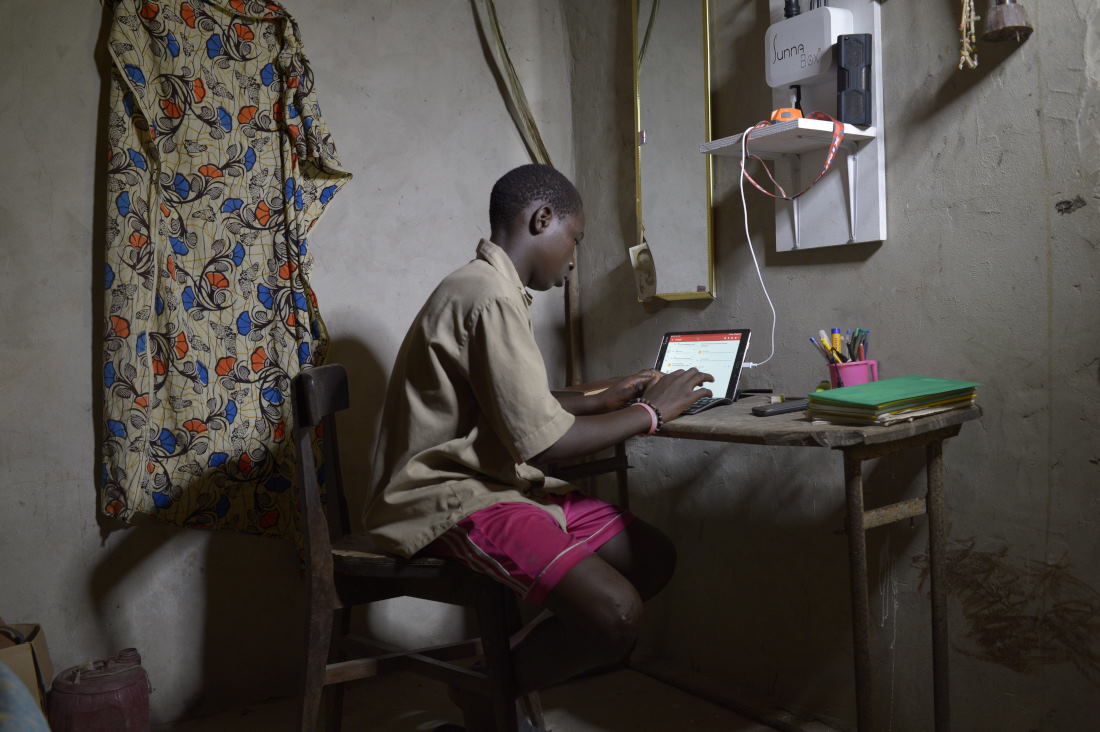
(358, 425)
(959, 83)
(246, 627)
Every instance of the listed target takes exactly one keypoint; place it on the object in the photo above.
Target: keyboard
(706, 403)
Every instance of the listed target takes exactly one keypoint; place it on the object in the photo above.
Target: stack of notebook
(891, 400)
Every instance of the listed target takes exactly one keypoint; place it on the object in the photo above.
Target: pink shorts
(523, 546)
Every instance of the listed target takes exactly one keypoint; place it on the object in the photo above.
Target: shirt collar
(499, 260)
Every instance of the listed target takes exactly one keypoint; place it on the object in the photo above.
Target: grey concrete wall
(981, 278)
(417, 117)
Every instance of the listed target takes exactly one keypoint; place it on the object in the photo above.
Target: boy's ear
(540, 220)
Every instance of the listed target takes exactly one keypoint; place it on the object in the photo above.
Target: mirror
(673, 180)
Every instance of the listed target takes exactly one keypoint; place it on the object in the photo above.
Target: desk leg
(937, 533)
(861, 607)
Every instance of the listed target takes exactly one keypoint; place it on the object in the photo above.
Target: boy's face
(555, 256)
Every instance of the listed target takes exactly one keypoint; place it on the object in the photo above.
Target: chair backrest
(319, 393)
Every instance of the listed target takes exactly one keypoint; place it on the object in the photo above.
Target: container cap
(109, 674)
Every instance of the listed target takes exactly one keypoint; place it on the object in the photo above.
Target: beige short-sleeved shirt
(468, 404)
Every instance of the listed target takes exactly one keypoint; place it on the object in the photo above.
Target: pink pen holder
(852, 373)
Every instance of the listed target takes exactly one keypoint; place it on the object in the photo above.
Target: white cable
(748, 239)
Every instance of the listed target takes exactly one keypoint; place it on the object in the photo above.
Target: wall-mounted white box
(848, 205)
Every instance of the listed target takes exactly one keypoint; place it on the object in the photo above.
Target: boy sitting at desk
(468, 417)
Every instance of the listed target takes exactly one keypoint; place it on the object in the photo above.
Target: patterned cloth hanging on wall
(219, 165)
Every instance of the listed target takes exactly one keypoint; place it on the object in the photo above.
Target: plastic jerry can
(110, 695)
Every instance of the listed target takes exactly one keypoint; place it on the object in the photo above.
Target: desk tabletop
(736, 423)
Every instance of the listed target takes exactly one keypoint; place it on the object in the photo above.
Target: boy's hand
(626, 389)
(672, 393)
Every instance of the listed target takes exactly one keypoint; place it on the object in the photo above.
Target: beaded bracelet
(655, 421)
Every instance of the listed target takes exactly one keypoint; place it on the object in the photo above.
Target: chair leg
(530, 704)
(334, 694)
(318, 638)
(495, 614)
(334, 707)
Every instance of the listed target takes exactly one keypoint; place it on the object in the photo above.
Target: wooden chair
(346, 570)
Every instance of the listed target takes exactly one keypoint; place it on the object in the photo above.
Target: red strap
(834, 145)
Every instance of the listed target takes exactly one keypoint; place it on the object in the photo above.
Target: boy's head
(528, 184)
(536, 215)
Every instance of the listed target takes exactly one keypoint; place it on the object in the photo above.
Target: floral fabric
(219, 166)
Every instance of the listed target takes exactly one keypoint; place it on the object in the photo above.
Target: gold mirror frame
(706, 160)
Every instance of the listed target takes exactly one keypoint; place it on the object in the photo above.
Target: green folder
(891, 394)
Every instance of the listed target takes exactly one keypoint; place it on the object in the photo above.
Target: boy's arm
(670, 395)
(608, 395)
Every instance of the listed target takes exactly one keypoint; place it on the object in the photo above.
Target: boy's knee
(620, 626)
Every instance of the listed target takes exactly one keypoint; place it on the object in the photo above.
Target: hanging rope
(648, 29)
(516, 100)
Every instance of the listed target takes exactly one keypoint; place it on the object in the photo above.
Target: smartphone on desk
(789, 405)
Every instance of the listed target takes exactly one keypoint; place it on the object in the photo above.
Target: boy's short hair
(522, 186)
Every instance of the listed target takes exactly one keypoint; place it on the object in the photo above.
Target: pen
(859, 339)
(819, 349)
(830, 354)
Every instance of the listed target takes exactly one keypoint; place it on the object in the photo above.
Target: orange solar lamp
(785, 114)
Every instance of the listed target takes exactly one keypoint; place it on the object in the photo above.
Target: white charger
(799, 50)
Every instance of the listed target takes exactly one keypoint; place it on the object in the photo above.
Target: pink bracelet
(652, 416)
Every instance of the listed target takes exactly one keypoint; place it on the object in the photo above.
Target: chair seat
(360, 548)
(357, 555)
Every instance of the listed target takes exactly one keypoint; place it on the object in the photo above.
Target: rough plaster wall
(981, 277)
(418, 119)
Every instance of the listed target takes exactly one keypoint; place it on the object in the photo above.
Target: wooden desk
(735, 423)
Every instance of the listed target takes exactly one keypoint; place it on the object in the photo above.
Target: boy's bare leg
(642, 554)
(597, 609)
(596, 613)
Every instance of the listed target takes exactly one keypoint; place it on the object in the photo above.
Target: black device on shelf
(853, 79)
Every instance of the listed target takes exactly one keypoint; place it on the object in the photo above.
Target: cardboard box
(31, 661)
